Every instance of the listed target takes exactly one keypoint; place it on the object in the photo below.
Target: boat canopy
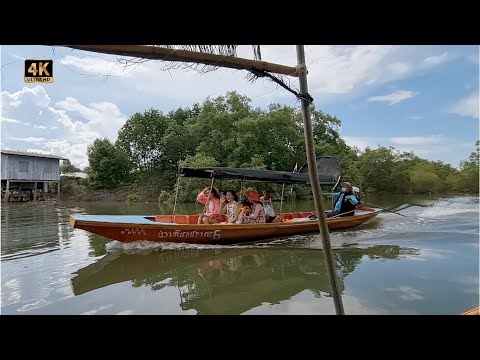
(282, 177)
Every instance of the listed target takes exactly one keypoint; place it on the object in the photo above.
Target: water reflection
(228, 281)
(29, 231)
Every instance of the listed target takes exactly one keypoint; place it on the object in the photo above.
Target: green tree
(375, 169)
(67, 167)
(467, 179)
(141, 138)
(109, 167)
(424, 179)
(213, 130)
(473, 159)
(178, 143)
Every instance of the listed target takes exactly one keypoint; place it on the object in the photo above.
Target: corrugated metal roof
(24, 153)
(80, 175)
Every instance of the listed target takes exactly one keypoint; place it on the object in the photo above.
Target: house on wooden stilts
(26, 175)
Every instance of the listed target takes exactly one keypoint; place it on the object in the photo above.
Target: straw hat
(346, 184)
(253, 195)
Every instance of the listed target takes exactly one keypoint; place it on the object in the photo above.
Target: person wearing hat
(356, 192)
(258, 212)
(345, 201)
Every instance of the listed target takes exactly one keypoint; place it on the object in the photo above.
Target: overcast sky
(423, 99)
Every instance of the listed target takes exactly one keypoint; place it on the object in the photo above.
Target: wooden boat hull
(474, 311)
(183, 228)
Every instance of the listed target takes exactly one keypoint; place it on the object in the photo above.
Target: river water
(426, 262)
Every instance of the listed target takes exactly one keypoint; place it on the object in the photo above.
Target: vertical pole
(316, 190)
(58, 191)
(7, 191)
(35, 192)
(281, 199)
(176, 195)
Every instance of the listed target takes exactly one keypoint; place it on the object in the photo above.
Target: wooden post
(7, 191)
(315, 183)
(58, 191)
(176, 196)
(35, 192)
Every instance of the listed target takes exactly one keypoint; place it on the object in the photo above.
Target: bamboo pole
(281, 199)
(165, 54)
(315, 183)
(176, 196)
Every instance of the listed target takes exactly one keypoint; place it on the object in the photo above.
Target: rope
(300, 69)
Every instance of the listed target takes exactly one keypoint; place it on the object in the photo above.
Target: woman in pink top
(212, 209)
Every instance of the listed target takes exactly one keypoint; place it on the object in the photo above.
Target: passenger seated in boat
(229, 206)
(345, 202)
(211, 200)
(266, 200)
(245, 210)
(356, 192)
(258, 213)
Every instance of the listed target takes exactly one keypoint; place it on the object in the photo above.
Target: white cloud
(473, 58)
(306, 303)
(30, 95)
(467, 106)
(98, 66)
(362, 142)
(101, 117)
(415, 117)
(436, 59)
(5, 119)
(418, 140)
(399, 68)
(407, 293)
(340, 70)
(394, 97)
(469, 283)
(38, 151)
(30, 139)
(73, 126)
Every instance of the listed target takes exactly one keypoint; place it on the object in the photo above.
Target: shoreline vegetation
(142, 165)
(79, 193)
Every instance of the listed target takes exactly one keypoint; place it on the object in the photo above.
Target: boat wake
(454, 206)
(148, 245)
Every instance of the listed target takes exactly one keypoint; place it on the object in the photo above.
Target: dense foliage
(227, 131)
(109, 166)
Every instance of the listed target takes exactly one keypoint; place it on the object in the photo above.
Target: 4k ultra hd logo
(38, 71)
